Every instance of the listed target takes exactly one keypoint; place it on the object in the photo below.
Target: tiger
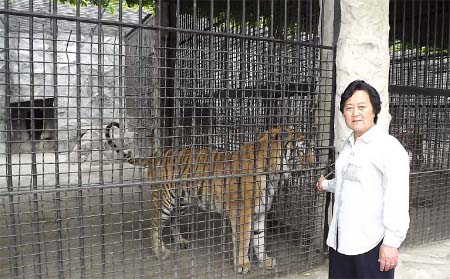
(238, 184)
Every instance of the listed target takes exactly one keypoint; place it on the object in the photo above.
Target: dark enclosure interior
(420, 110)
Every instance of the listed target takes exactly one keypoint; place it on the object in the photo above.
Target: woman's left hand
(388, 258)
(319, 183)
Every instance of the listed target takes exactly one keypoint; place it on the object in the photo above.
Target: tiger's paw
(181, 241)
(244, 268)
(269, 263)
(164, 253)
(184, 244)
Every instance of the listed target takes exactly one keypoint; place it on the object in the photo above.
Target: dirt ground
(70, 233)
(429, 261)
(61, 230)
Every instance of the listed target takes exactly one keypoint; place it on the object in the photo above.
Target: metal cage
(420, 109)
(99, 106)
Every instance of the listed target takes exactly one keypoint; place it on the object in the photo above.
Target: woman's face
(358, 113)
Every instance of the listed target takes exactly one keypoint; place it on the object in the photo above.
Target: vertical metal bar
(69, 262)
(284, 78)
(44, 118)
(242, 84)
(311, 58)
(159, 114)
(299, 21)
(448, 55)
(403, 46)
(183, 91)
(196, 51)
(329, 200)
(20, 109)
(311, 24)
(121, 108)
(226, 75)
(394, 52)
(418, 51)
(411, 54)
(118, 46)
(240, 93)
(58, 216)
(442, 51)
(284, 105)
(270, 67)
(433, 84)
(32, 103)
(259, 50)
(90, 86)
(166, 82)
(141, 197)
(426, 80)
(100, 87)
(210, 73)
(435, 76)
(79, 200)
(172, 73)
(13, 252)
(37, 261)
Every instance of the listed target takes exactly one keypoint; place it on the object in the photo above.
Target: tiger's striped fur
(233, 183)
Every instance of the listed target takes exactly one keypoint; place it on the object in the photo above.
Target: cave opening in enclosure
(33, 122)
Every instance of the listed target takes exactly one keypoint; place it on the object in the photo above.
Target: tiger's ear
(288, 133)
(274, 134)
(269, 135)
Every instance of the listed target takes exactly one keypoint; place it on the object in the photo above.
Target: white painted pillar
(362, 53)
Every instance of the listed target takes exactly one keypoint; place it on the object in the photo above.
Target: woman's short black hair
(362, 85)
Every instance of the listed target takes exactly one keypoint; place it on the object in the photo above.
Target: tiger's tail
(127, 156)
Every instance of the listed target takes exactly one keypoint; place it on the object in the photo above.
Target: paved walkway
(429, 261)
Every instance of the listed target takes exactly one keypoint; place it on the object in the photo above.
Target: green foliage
(236, 13)
(245, 13)
(113, 5)
(398, 46)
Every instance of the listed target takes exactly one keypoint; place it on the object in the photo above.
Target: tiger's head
(296, 153)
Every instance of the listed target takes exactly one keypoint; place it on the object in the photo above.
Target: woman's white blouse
(371, 189)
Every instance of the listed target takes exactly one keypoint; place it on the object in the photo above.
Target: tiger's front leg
(259, 241)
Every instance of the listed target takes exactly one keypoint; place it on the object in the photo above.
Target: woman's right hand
(319, 183)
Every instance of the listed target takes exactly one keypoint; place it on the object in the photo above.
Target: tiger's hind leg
(160, 215)
(159, 248)
(175, 231)
(259, 241)
(241, 233)
(164, 208)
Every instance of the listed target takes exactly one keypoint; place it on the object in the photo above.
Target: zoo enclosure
(211, 74)
(420, 108)
(71, 210)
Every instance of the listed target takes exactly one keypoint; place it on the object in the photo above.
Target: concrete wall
(99, 98)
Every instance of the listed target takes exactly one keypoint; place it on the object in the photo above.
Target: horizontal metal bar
(280, 90)
(147, 27)
(430, 172)
(149, 183)
(413, 90)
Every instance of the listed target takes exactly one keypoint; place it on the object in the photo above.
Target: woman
(370, 214)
